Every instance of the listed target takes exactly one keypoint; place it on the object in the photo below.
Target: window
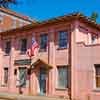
(1, 19)
(44, 40)
(7, 47)
(93, 38)
(22, 76)
(97, 76)
(23, 45)
(63, 39)
(5, 75)
(62, 77)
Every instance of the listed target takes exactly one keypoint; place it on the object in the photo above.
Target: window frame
(7, 74)
(97, 88)
(23, 50)
(93, 39)
(67, 79)
(62, 40)
(1, 19)
(43, 41)
(7, 47)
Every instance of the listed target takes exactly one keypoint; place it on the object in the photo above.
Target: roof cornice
(69, 17)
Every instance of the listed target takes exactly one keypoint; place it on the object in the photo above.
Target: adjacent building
(11, 20)
(68, 62)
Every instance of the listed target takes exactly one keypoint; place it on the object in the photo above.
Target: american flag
(34, 46)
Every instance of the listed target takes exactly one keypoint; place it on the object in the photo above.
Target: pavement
(8, 96)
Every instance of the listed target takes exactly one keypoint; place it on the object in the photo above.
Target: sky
(46, 9)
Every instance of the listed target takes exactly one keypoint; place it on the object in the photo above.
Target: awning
(41, 62)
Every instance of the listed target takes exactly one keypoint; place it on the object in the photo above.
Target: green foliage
(6, 3)
(94, 16)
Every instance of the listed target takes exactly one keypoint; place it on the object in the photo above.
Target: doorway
(42, 81)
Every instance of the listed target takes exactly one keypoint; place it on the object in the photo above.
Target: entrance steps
(9, 96)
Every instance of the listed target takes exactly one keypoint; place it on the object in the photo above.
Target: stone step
(7, 96)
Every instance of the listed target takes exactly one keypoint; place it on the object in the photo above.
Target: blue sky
(46, 9)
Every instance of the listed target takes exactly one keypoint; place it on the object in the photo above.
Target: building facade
(11, 20)
(68, 62)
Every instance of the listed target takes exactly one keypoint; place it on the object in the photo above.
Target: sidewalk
(8, 96)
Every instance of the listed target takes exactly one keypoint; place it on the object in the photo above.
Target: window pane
(8, 47)
(1, 19)
(63, 39)
(5, 75)
(62, 77)
(23, 45)
(93, 38)
(63, 43)
(44, 40)
(97, 68)
(98, 82)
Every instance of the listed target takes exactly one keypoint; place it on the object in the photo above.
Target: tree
(94, 16)
(6, 3)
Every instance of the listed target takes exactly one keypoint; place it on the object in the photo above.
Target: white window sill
(58, 88)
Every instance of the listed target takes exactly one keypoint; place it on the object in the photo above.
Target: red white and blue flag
(34, 46)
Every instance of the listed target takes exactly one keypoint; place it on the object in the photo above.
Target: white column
(12, 83)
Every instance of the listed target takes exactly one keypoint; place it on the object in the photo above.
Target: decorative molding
(22, 62)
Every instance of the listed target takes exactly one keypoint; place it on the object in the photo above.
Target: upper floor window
(43, 41)
(1, 19)
(97, 76)
(62, 77)
(63, 39)
(7, 47)
(93, 38)
(23, 45)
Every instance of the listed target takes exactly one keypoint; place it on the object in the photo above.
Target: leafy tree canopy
(94, 16)
(6, 3)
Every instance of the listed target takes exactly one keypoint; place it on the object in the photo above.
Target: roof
(69, 17)
(26, 18)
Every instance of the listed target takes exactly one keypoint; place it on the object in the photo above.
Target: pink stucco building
(68, 62)
(11, 20)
